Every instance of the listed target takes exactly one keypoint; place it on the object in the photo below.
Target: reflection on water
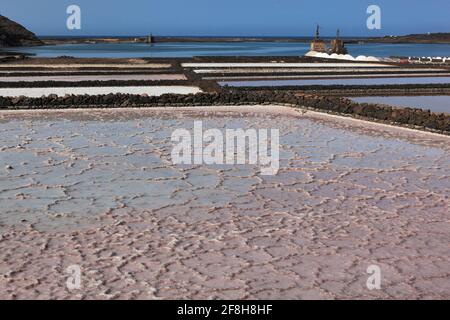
(355, 81)
(433, 103)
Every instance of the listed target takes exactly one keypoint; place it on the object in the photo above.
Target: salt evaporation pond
(97, 188)
(433, 103)
(348, 82)
(62, 91)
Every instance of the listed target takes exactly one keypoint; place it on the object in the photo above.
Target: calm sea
(190, 49)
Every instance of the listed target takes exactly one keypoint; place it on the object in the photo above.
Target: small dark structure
(318, 44)
(337, 45)
(150, 39)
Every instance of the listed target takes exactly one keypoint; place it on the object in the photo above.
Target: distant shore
(435, 38)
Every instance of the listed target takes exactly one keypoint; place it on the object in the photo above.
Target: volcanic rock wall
(416, 118)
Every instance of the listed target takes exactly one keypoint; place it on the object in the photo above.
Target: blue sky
(229, 17)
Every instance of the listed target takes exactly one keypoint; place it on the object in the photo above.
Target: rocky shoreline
(408, 117)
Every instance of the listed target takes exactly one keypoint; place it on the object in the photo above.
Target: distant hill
(13, 34)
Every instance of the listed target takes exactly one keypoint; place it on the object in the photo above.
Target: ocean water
(190, 49)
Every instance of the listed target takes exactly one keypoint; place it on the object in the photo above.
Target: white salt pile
(341, 56)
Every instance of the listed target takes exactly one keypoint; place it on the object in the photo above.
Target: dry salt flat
(424, 76)
(283, 65)
(150, 90)
(78, 71)
(118, 77)
(316, 70)
(97, 188)
(89, 65)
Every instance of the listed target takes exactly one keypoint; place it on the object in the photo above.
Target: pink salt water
(96, 188)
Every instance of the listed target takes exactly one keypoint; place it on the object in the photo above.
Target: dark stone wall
(416, 118)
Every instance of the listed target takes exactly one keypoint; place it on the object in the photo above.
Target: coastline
(419, 39)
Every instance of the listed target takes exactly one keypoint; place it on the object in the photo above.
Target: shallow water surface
(348, 82)
(191, 49)
(80, 165)
(98, 189)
